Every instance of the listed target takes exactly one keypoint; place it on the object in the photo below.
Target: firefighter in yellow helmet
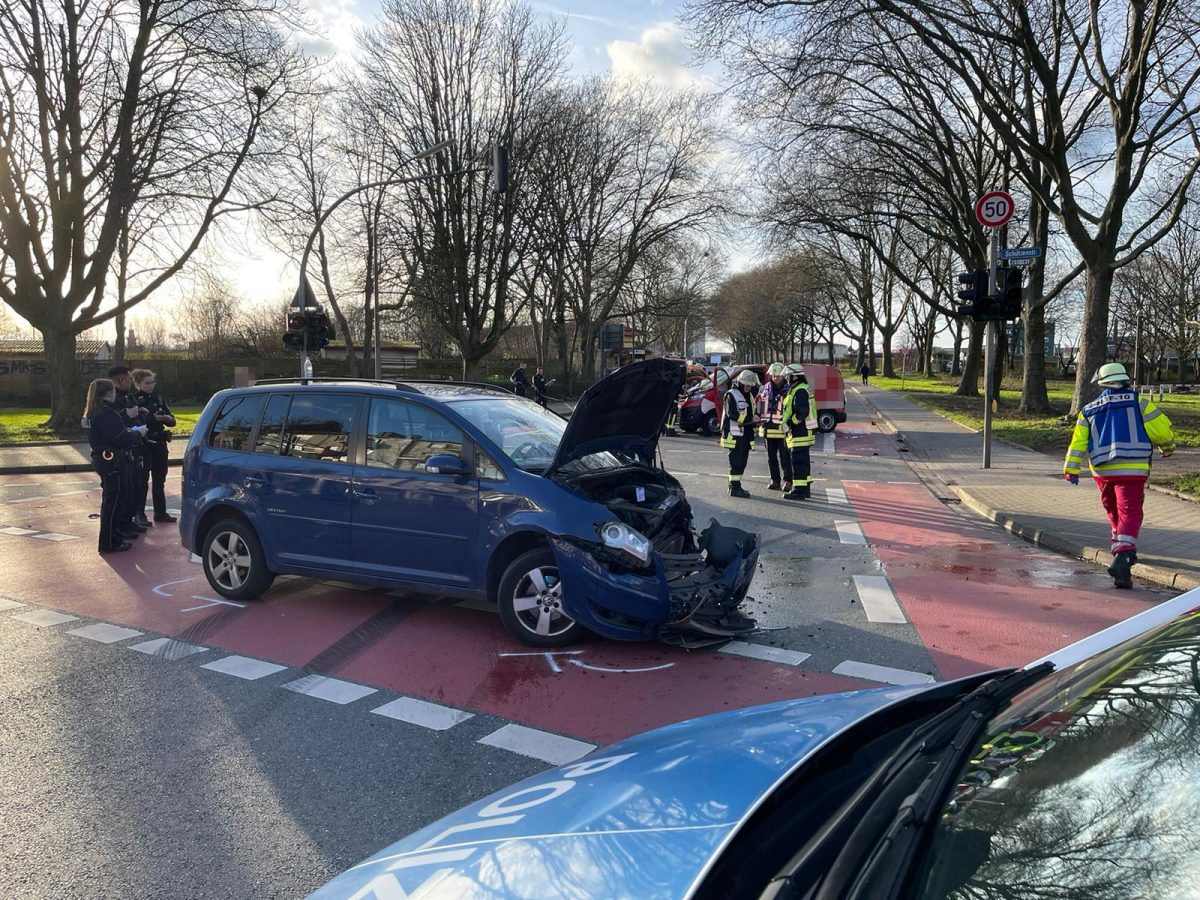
(737, 427)
(770, 417)
(800, 428)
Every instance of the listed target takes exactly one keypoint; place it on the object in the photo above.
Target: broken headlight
(620, 536)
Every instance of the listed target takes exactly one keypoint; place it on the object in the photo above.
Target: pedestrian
(770, 417)
(737, 427)
(800, 428)
(672, 423)
(865, 371)
(131, 516)
(111, 439)
(1117, 433)
(519, 381)
(155, 453)
(539, 386)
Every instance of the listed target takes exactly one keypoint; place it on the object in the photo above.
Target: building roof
(32, 347)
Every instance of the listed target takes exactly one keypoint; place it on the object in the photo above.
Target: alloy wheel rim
(537, 602)
(229, 560)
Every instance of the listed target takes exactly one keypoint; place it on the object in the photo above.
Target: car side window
(485, 467)
(319, 427)
(270, 429)
(235, 421)
(402, 436)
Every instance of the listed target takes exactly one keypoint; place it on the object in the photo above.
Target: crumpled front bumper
(684, 599)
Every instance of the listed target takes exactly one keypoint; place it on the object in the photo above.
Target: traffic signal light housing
(1009, 283)
(973, 293)
(308, 329)
(982, 306)
(297, 324)
(320, 329)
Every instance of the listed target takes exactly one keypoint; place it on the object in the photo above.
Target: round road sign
(994, 208)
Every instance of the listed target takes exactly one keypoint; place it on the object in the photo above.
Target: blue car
(466, 490)
(1073, 777)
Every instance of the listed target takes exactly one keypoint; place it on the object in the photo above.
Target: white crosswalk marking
(837, 495)
(884, 674)
(878, 601)
(551, 748)
(168, 648)
(769, 654)
(45, 617)
(850, 533)
(243, 667)
(105, 633)
(331, 689)
(423, 713)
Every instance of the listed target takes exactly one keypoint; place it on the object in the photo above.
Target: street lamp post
(304, 292)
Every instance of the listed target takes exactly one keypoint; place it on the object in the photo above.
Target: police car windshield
(528, 434)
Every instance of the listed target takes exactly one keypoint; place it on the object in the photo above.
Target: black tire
(545, 611)
(234, 541)
(826, 421)
(712, 424)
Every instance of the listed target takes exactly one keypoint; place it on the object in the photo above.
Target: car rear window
(270, 429)
(231, 430)
(319, 427)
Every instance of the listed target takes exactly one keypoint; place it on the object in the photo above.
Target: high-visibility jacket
(737, 418)
(800, 416)
(770, 409)
(1116, 433)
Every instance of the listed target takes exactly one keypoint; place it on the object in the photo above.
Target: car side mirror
(446, 464)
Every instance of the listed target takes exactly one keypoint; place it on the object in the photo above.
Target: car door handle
(368, 495)
(253, 481)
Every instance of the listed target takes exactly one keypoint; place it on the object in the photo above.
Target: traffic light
(1009, 285)
(297, 325)
(320, 329)
(973, 293)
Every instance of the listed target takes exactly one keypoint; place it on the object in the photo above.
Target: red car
(701, 410)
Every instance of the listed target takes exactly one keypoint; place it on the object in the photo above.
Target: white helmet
(794, 370)
(747, 378)
(776, 369)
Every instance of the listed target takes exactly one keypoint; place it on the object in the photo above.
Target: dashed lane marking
(850, 533)
(837, 495)
(828, 443)
(551, 748)
(885, 674)
(44, 617)
(105, 633)
(6, 604)
(770, 654)
(423, 713)
(168, 648)
(332, 689)
(243, 667)
(54, 536)
(878, 600)
(17, 532)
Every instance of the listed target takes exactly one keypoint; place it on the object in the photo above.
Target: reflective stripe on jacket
(737, 417)
(1116, 433)
(800, 417)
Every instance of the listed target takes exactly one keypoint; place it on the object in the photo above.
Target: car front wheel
(712, 424)
(234, 563)
(826, 421)
(530, 600)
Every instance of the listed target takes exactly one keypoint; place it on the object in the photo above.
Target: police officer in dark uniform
(154, 455)
(520, 381)
(539, 386)
(111, 441)
(131, 518)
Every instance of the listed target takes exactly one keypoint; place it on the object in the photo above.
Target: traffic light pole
(990, 352)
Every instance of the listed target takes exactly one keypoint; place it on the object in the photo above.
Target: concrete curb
(61, 468)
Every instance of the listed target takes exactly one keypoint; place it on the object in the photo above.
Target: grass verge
(24, 426)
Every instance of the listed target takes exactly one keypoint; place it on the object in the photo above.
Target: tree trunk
(470, 368)
(66, 391)
(1093, 343)
(969, 386)
(889, 367)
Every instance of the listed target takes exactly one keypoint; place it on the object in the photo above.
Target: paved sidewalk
(40, 459)
(1025, 492)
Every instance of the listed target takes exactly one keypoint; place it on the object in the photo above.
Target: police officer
(155, 453)
(770, 416)
(737, 427)
(111, 439)
(520, 381)
(132, 519)
(539, 386)
(800, 426)
(1117, 433)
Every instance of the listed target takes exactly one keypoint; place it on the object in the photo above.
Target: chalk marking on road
(332, 689)
(47, 497)
(105, 633)
(17, 532)
(850, 533)
(243, 667)
(837, 495)
(878, 600)
(423, 713)
(6, 604)
(54, 536)
(543, 745)
(557, 669)
(884, 674)
(768, 654)
(44, 617)
(158, 588)
(168, 648)
(211, 601)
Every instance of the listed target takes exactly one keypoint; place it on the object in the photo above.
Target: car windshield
(1085, 786)
(527, 433)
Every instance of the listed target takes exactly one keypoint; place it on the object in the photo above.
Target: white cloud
(661, 55)
(333, 23)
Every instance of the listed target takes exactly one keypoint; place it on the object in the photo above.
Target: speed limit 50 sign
(994, 208)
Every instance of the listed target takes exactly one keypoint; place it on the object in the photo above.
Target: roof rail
(398, 385)
(451, 382)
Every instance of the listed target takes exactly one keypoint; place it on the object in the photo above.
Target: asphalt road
(256, 751)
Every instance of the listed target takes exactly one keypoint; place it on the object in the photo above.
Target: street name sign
(1021, 253)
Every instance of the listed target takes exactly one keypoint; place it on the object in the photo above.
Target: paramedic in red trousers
(800, 426)
(1117, 433)
(737, 427)
(770, 418)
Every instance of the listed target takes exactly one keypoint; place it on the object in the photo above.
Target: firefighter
(1117, 433)
(770, 416)
(672, 423)
(737, 427)
(800, 428)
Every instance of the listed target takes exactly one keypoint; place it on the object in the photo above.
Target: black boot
(1121, 567)
(773, 486)
(796, 493)
(736, 490)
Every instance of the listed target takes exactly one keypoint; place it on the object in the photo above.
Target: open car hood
(624, 412)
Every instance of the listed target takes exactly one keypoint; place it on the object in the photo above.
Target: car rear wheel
(234, 563)
(530, 599)
(826, 420)
(712, 424)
